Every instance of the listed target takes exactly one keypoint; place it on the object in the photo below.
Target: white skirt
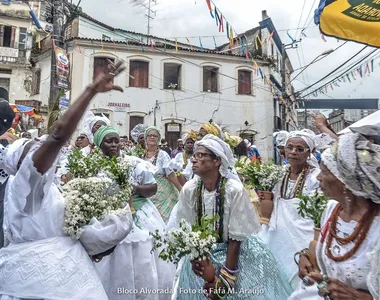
(132, 272)
(55, 268)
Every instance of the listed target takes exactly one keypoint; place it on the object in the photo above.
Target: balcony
(12, 55)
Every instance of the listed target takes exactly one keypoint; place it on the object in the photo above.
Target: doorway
(173, 134)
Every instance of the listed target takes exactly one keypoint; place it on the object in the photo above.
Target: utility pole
(58, 41)
(284, 94)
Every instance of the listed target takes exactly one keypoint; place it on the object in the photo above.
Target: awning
(23, 109)
(372, 119)
(352, 20)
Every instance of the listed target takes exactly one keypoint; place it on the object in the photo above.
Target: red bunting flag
(271, 35)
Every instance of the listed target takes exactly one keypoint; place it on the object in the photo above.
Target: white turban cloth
(12, 155)
(137, 131)
(88, 122)
(222, 150)
(309, 137)
(355, 162)
(281, 138)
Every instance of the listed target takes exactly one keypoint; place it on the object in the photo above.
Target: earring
(347, 200)
(346, 197)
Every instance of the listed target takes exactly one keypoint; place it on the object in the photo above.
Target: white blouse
(239, 219)
(162, 166)
(40, 261)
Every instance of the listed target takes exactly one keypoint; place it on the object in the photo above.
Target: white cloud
(190, 18)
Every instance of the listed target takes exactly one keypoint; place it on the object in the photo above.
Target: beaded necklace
(154, 161)
(219, 204)
(357, 237)
(299, 183)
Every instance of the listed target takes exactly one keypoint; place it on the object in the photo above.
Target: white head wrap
(12, 156)
(309, 138)
(247, 143)
(281, 138)
(137, 131)
(222, 150)
(88, 121)
(355, 162)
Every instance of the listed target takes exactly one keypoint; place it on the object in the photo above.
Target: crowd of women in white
(40, 262)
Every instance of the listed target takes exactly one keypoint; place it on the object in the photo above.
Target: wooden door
(172, 134)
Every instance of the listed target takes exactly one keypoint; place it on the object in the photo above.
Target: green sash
(138, 202)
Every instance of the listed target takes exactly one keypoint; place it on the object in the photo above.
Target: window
(7, 36)
(101, 65)
(210, 79)
(36, 82)
(139, 74)
(133, 121)
(172, 76)
(22, 39)
(245, 82)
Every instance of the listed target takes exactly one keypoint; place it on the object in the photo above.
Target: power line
(311, 9)
(299, 21)
(344, 72)
(305, 67)
(336, 69)
(184, 60)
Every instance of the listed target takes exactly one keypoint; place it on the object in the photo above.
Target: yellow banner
(355, 20)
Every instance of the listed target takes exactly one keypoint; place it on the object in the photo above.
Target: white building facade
(176, 89)
(19, 80)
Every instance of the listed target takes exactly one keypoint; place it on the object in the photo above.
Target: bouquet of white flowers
(90, 198)
(96, 208)
(197, 241)
(264, 176)
(313, 206)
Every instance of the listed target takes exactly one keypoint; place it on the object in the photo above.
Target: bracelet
(226, 282)
(225, 273)
(303, 252)
(217, 291)
(231, 271)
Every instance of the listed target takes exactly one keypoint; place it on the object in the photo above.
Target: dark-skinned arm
(66, 126)
(146, 190)
(233, 251)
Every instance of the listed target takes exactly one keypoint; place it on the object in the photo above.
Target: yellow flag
(354, 20)
(176, 45)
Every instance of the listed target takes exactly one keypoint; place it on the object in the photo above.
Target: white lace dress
(40, 261)
(354, 271)
(132, 270)
(287, 231)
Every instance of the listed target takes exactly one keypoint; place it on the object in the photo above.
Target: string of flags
(233, 37)
(363, 70)
(223, 25)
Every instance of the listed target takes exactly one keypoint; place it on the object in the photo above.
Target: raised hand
(104, 82)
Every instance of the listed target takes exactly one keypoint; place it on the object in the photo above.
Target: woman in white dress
(348, 250)
(132, 266)
(40, 261)
(167, 181)
(239, 255)
(287, 231)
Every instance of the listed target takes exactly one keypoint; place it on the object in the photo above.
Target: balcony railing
(12, 55)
